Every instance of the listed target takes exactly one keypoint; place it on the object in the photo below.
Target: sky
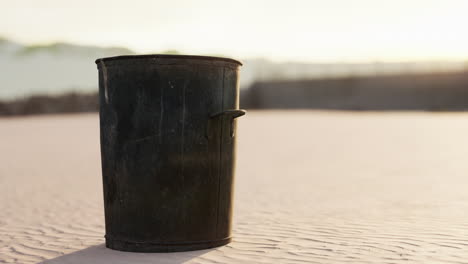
(292, 30)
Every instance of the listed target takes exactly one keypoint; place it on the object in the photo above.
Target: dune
(311, 187)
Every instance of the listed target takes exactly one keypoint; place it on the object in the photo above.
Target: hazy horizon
(44, 45)
(59, 68)
(299, 31)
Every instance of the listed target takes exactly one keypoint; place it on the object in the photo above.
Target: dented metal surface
(168, 150)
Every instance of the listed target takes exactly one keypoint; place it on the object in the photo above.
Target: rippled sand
(312, 187)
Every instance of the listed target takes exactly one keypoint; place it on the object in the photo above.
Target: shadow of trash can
(168, 126)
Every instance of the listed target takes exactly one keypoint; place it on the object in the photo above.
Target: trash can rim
(167, 56)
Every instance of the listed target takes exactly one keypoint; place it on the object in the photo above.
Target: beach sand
(311, 187)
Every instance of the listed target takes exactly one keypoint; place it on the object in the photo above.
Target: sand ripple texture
(311, 187)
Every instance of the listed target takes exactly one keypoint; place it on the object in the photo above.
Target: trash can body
(167, 129)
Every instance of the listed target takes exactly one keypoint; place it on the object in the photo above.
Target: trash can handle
(224, 115)
(233, 113)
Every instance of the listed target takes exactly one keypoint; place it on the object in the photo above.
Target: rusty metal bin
(168, 126)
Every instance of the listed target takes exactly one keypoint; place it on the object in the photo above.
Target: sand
(311, 187)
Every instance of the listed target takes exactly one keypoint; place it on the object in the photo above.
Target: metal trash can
(168, 126)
